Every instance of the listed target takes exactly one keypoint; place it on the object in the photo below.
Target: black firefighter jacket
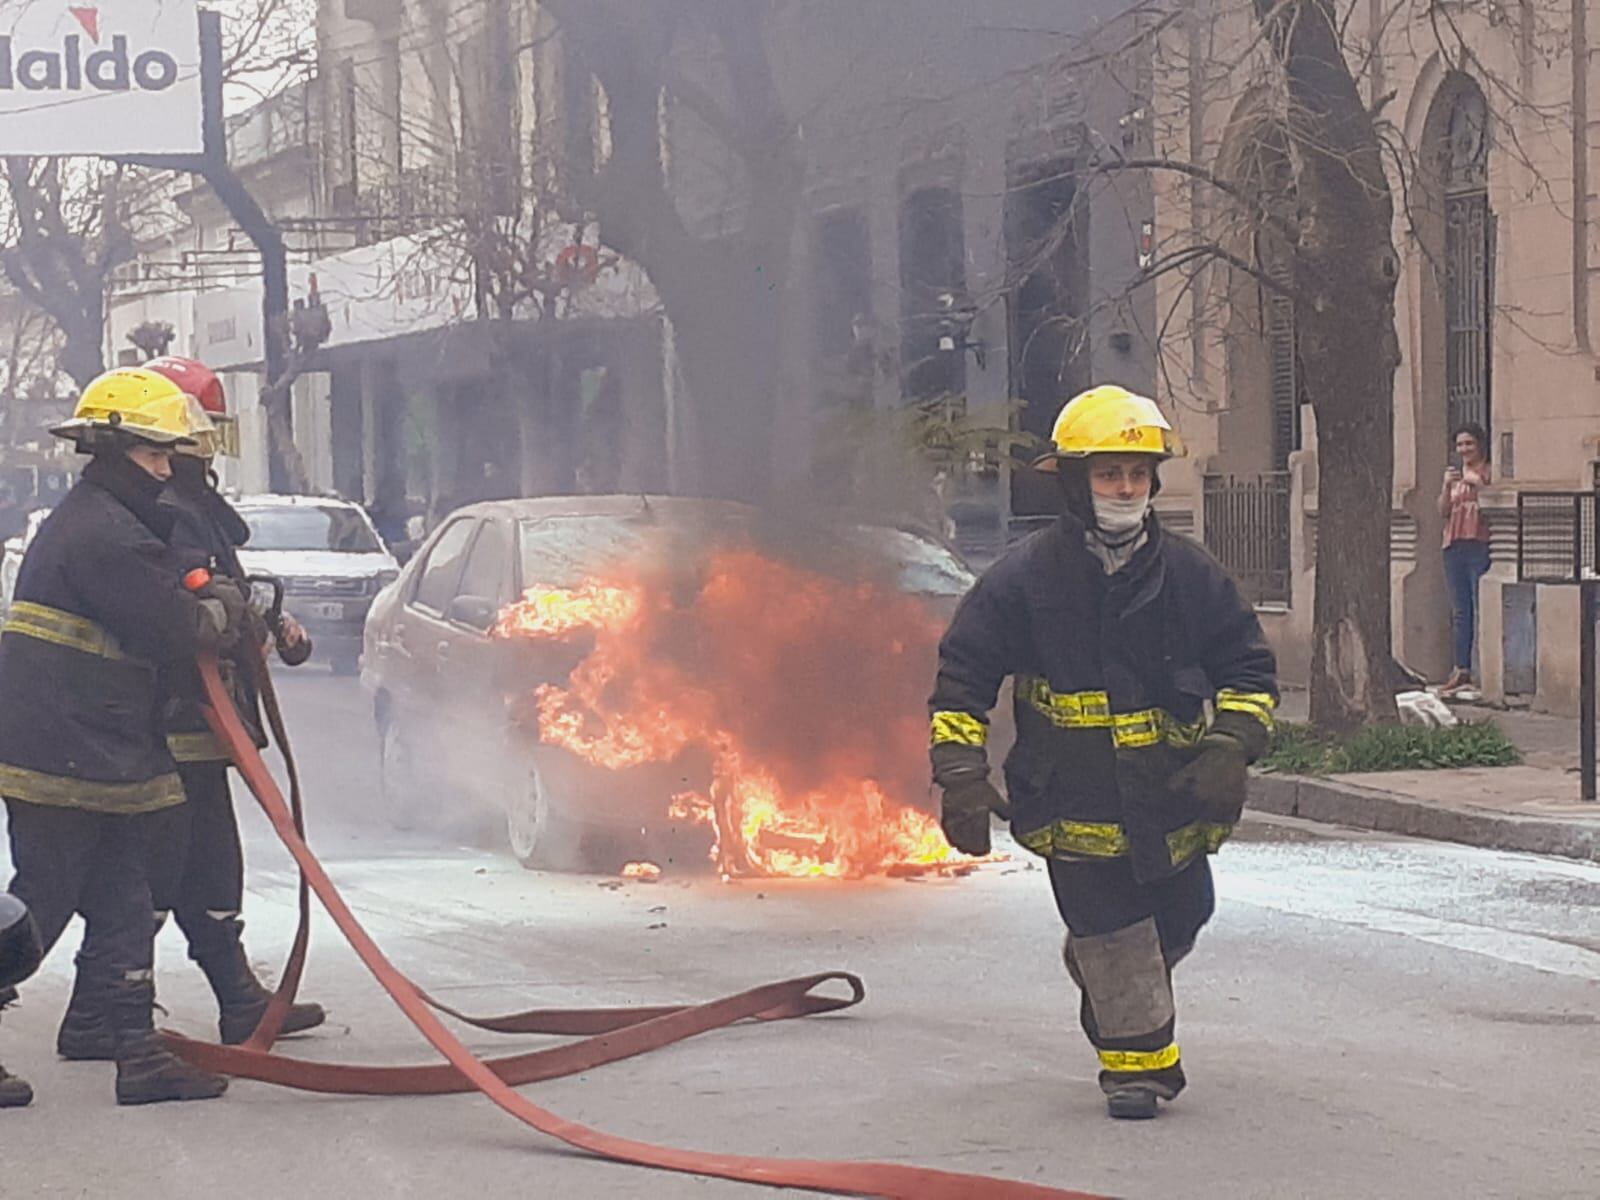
(205, 526)
(1112, 679)
(99, 610)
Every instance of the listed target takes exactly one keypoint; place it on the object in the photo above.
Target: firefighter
(20, 954)
(197, 865)
(1118, 637)
(100, 610)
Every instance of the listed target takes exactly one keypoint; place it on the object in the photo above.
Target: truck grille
(325, 587)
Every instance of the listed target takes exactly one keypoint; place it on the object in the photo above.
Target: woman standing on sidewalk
(1466, 544)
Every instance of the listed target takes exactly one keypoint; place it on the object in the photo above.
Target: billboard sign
(103, 77)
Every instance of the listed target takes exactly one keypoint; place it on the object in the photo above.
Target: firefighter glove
(964, 814)
(223, 609)
(1216, 778)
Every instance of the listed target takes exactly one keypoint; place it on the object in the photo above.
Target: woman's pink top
(1466, 521)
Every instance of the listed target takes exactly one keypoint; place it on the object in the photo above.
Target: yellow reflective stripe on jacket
(1086, 838)
(1259, 705)
(1070, 710)
(1092, 710)
(62, 629)
(1140, 1060)
(200, 746)
(959, 729)
(60, 791)
(1183, 844)
(1093, 839)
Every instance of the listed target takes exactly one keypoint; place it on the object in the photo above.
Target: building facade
(1489, 168)
(959, 249)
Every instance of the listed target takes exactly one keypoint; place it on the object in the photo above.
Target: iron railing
(1556, 543)
(1556, 536)
(1247, 528)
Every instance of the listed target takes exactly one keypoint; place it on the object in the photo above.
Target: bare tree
(676, 73)
(30, 352)
(67, 223)
(68, 230)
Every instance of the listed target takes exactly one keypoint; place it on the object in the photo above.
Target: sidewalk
(1532, 808)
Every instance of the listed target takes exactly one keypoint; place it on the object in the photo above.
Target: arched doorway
(1455, 238)
(1247, 482)
(1468, 257)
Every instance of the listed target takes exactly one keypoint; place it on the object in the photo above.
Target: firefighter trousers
(197, 864)
(1123, 939)
(71, 860)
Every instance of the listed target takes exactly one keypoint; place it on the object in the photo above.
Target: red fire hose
(609, 1034)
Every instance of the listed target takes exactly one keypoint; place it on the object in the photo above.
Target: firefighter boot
(86, 1034)
(1134, 1098)
(1126, 1009)
(147, 1073)
(243, 1000)
(14, 1092)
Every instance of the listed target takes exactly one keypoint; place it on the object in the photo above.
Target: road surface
(1366, 1016)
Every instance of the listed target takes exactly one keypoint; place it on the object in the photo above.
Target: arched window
(1468, 259)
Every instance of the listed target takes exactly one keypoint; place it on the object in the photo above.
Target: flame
(644, 872)
(804, 693)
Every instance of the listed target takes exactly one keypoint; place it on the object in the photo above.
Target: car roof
(533, 508)
(277, 500)
(628, 505)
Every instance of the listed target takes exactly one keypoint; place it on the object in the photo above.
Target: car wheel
(397, 777)
(531, 826)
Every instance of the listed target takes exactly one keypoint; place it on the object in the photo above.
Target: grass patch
(1302, 750)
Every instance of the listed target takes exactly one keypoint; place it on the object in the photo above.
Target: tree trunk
(1346, 270)
(1353, 675)
(724, 295)
(286, 466)
(729, 341)
(82, 354)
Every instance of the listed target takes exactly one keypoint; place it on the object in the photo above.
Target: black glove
(964, 814)
(1216, 778)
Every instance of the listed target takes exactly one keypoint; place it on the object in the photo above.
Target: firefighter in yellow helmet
(1142, 687)
(100, 612)
(196, 864)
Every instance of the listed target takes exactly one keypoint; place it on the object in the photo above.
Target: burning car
(666, 677)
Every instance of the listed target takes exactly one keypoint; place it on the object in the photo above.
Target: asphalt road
(1366, 1016)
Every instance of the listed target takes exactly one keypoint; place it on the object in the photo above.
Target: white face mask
(1117, 518)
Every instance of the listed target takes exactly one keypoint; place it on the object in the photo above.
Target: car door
(472, 677)
(420, 642)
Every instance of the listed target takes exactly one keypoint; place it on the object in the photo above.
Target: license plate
(327, 610)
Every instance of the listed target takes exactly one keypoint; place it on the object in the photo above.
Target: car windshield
(309, 527)
(923, 566)
(565, 550)
(562, 551)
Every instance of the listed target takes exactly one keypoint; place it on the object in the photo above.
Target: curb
(1339, 803)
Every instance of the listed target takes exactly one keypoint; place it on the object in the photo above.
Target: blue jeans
(1464, 564)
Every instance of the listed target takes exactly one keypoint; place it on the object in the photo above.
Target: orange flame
(805, 693)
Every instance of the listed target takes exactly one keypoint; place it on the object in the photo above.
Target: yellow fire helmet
(1109, 420)
(136, 403)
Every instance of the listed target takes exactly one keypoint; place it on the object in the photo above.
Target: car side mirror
(475, 612)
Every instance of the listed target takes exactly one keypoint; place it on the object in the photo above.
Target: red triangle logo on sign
(89, 18)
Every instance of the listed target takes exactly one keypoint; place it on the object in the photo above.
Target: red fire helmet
(195, 378)
(200, 381)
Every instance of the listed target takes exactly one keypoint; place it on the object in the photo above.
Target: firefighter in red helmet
(197, 867)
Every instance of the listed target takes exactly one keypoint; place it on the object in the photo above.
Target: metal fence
(1556, 536)
(1247, 528)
